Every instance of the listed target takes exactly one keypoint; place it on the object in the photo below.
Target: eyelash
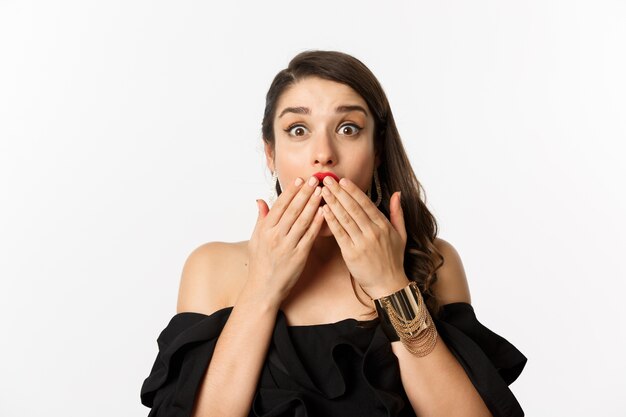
(357, 127)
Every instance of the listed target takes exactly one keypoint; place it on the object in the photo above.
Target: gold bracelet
(404, 317)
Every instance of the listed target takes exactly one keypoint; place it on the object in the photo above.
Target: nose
(324, 152)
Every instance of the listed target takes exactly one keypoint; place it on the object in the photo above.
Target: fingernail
(313, 181)
(299, 181)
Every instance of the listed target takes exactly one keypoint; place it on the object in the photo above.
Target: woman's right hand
(282, 240)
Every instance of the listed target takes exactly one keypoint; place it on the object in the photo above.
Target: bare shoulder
(212, 277)
(451, 285)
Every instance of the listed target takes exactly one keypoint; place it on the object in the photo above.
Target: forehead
(315, 92)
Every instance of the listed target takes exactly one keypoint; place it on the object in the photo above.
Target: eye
(349, 129)
(296, 130)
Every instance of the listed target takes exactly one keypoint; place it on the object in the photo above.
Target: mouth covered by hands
(371, 245)
(320, 177)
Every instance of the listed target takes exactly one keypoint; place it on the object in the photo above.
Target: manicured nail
(343, 181)
(328, 180)
(313, 181)
(299, 181)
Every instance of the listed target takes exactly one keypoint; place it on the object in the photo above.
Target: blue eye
(349, 129)
(296, 130)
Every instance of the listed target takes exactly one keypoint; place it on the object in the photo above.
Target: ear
(269, 156)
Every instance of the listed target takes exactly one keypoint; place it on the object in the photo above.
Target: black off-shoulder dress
(339, 369)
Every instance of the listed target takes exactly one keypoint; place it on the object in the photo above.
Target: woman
(343, 301)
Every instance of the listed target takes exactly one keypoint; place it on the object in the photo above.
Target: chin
(325, 230)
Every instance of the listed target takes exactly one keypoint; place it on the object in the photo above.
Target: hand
(371, 245)
(282, 240)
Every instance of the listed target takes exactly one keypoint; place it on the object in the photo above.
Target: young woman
(344, 302)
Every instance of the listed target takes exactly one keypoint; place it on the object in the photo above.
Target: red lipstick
(321, 175)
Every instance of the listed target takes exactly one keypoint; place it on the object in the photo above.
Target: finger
(367, 205)
(296, 205)
(306, 242)
(396, 215)
(342, 215)
(283, 200)
(305, 218)
(263, 209)
(342, 237)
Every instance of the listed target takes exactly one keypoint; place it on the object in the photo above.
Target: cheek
(289, 167)
(363, 177)
(362, 166)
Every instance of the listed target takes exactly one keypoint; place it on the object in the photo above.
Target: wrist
(260, 297)
(395, 284)
(405, 317)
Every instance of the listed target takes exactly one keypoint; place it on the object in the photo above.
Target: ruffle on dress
(336, 369)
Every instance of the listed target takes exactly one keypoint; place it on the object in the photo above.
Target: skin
(298, 257)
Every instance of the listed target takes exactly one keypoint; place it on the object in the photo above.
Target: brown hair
(395, 171)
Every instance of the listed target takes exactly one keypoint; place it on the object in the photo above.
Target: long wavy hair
(421, 257)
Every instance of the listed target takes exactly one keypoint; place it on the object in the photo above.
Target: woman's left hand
(371, 245)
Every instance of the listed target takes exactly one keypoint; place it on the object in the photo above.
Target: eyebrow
(339, 109)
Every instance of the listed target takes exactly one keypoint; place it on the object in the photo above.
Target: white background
(130, 134)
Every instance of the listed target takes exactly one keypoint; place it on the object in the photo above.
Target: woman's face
(322, 126)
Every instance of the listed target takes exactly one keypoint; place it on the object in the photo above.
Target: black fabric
(340, 369)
